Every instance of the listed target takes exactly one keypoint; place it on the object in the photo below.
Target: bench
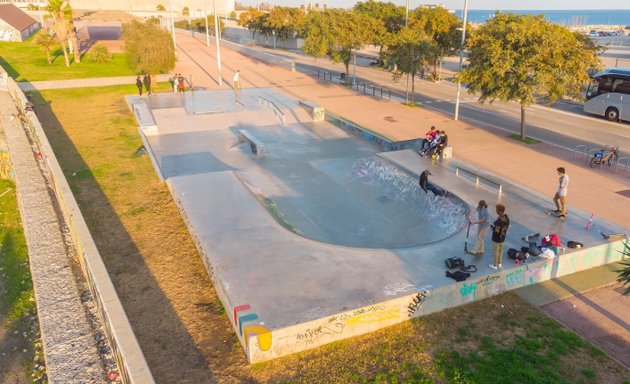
(257, 147)
(316, 111)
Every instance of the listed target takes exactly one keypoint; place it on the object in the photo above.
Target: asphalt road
(564, 124)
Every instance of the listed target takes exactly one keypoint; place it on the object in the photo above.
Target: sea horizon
(567, 17)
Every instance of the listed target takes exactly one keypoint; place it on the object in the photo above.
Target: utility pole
(461, 59)
(407, 84)
(216, 41)
(205, 11)
(173, 25)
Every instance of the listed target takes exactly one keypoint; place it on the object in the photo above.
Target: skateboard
(552, 212)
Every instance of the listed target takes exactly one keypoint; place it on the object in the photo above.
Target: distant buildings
(15, 24)
(195, 7)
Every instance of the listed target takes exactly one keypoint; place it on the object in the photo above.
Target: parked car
(593, 33)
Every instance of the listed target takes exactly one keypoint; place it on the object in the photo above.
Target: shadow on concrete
(170, 351)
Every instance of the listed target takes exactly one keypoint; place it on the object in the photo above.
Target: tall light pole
(407, 84)
(216, 41)
(461, 59)
(205, 11)
(173, 25)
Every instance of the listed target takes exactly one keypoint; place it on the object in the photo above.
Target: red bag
(551, 239)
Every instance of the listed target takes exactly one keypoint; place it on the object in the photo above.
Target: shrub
(99, 54)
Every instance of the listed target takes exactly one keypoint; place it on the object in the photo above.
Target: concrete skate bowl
(366, 203)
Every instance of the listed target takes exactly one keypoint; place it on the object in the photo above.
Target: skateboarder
(499, 231)
(235, 80)
(483, 223)
(560, 198)
(427, 186)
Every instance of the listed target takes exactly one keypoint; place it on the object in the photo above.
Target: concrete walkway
(82, 83)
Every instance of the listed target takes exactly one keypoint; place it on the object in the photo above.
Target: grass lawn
(18, 321)
(183, 329)
(27, 62)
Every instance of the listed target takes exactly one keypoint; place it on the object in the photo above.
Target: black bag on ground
(574, 244)
(518, 255)
(458, 275)
(512, 253)
(533, 249)
(454, 262)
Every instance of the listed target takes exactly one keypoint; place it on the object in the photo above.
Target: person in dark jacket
(442, 144)
(427, 186)
(147, 83)
(499, 231)
(139, 85)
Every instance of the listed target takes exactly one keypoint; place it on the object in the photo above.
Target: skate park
(312, 234)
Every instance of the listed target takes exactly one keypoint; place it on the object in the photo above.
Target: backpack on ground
(458, 275)
(517, 255)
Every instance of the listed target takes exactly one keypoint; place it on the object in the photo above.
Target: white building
(15, 24)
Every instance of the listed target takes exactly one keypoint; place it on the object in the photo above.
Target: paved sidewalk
(601, 316)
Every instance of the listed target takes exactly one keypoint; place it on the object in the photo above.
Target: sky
(474, 4)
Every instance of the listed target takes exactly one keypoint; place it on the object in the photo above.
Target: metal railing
(579, 151)
(626, 165)
(478, 179)
(276, 111)
(365, 88)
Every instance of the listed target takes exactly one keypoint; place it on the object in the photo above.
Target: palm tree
(61, 13)
(46, 42)
(624, 273)
(160, 8)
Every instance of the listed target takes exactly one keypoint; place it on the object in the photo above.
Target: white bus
(608, 94)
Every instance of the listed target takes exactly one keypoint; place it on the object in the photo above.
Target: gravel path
(71, 350)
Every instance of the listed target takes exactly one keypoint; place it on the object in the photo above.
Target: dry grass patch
(183, 329)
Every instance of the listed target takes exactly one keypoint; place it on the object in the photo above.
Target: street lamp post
(205, 12)
(407, 83)
(173, 25)
(461, 59)
(216, 41)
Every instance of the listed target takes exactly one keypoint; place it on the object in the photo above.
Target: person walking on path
(139, 85)
(147, 83)
(483, 223)
(499, 231)
(235, 80)
(560, 198)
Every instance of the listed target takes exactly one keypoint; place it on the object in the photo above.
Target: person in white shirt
(237, 84)
(560, 199)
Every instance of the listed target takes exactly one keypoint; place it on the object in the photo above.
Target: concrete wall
(263, 344)
(131, 361)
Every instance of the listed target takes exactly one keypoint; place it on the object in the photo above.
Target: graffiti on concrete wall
(311, 335)
(241, 316)
(416, 302)
(396, 288)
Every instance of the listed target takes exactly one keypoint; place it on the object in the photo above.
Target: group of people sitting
(434, 143)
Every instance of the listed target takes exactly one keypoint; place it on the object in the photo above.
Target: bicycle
(609, 158)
